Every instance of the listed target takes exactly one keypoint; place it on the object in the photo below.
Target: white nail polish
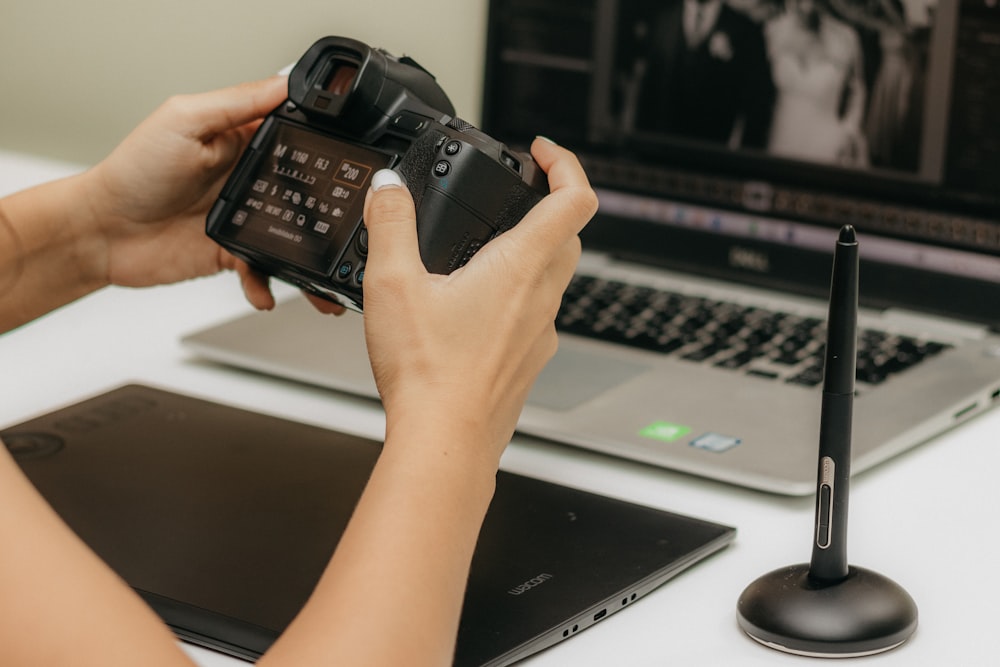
(384, 178)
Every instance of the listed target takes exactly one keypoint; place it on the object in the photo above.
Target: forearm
(60, 604)
(49, 253)
(393, 592)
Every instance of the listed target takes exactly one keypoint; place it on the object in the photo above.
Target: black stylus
(829, 553)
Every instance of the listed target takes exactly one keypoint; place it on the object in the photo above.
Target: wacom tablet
(223, 520)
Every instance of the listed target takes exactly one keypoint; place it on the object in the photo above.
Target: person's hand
(464, 349)
(151, 195)
(853, 150)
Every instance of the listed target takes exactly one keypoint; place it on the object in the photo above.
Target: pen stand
(827, 608)
(863, 614)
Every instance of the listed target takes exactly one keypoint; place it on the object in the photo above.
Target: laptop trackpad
(573, 377)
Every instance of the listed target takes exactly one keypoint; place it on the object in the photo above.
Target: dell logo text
(741, 257)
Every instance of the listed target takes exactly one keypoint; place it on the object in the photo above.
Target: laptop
(692, 336)
(224, 519)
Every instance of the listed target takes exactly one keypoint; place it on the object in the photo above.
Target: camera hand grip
(449, 234)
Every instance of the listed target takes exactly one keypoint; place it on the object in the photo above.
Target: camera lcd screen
(303, 198)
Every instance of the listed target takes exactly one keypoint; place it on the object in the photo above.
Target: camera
(293, 206)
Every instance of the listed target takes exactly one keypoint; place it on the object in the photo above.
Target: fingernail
(386, 178)
(538, 136)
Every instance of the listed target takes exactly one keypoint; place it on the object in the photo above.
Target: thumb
(391, 220)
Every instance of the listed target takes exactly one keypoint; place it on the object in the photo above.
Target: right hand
(460, 352)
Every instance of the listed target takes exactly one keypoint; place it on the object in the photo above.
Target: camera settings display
(306, 197)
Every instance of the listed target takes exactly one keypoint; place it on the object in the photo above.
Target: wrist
(470, 444)
(450, 475)
(85, 242)
(57, 254)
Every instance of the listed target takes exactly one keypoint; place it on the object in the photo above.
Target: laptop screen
(734, 137)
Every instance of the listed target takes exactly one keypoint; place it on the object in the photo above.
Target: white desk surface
(924, 519)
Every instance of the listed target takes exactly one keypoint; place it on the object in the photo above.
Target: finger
(392, 225)
(324, 306)
(571, 202)
(564, 264)
(562, 213)
(557, 274)
(560, 165)
(221, 110)
(255, 287)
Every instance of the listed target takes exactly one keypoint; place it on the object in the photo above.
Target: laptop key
(728, 335)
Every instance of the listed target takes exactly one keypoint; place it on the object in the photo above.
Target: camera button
(453, 147)
(363, 241)
(344, 271)
(442, 168)
(409, 122)
(359, 277)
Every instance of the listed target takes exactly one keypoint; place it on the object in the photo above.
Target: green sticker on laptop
(665, 431)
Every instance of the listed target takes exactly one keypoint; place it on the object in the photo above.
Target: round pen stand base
(864, 614)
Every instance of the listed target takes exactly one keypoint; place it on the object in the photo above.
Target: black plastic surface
(864, 614)
(224, 519)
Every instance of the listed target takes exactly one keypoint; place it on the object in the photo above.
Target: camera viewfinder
(341, 77)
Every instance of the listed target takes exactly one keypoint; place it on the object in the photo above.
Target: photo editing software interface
(770, 121)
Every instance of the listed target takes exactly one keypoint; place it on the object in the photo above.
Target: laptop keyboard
(765, 343)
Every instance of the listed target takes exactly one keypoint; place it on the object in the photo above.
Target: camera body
(293, 206)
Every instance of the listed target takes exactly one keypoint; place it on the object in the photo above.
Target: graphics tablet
(223, 520)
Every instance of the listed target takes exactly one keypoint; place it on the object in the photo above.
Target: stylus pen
(829, 554)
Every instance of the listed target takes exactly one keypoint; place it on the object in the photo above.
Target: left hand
(152, 194)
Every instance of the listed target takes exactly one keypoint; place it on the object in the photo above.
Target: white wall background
(76, 77)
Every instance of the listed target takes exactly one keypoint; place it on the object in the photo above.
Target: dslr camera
(292, 207)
